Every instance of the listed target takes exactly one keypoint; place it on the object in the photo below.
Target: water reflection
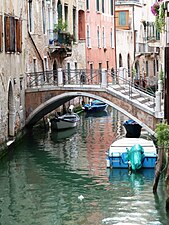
(42, 180)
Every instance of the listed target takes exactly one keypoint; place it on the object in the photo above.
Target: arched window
(128, 64)
(59, 9)
(120, 60)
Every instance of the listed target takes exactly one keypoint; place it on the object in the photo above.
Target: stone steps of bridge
(150, 104)
(143, 100)
(123, 89)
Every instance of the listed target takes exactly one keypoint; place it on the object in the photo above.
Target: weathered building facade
(138, 41)
(100, 33)
(35, 37)
(13, 23)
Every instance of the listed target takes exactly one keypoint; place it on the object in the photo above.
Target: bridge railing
(69, 77)
(84, 77)
(128, 84)
(131, 89)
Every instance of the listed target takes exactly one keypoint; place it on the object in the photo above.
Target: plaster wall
(12, 68)
(95, 54)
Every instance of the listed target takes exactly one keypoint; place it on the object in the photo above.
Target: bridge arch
(56, 101)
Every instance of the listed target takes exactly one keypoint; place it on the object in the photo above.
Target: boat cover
(136, 156)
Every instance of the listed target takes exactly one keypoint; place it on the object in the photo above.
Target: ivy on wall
(158, 11)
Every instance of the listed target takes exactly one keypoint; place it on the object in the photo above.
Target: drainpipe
(37, 50)
(134, 35)
(115, 37)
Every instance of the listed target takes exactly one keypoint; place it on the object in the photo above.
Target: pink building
(100, 35)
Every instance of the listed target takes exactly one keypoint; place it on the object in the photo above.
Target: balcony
(61, 44)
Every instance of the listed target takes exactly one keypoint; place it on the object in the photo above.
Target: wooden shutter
(12, 34)
(1, 30)
(19, 36)
(7, 34)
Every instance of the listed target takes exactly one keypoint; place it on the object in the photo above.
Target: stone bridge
(129, 100)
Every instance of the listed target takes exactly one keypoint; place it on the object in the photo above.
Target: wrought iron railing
(87, 77)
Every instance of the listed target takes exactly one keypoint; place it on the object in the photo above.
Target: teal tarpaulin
(136, 156)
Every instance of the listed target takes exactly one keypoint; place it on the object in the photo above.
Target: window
(112, 38)
(100, 72)
(152, 33)
(68, 72)
(120, 60)
(122, 19)
(107, 65)
(91, 72)
(147, 69)
(30, 20)
(1, 32)
(111, 7)
(13, 34)
(104, 38)
(87, 5)
(43, 17)
(66, 13)
(98, 37)
(102, 6)
(128, 64)
(74, 23)
(88, 37)
(97, 5)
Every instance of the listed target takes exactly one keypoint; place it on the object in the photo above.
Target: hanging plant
(158, 11)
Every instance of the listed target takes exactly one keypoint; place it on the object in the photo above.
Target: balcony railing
(61, 41)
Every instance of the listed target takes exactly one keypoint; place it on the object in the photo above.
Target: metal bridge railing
(86, 77)
(69, 77)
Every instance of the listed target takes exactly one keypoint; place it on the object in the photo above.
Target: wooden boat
(66, 121)
(132, 152)
(133, 129)
(95, 106)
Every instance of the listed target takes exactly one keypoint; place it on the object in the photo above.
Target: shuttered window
(13, 34)
(19, 36)
(1, 30)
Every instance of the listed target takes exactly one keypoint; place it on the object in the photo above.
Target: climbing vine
(158, 11)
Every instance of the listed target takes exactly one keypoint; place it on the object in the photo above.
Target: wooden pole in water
(167, 181)
(158, 169)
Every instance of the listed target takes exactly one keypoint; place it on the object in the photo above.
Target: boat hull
(117, 162)
(88, 108)
(117, 153)
(133, 129)
(95, 106)
(64, 122)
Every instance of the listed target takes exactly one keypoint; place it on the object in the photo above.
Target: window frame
(126, 26)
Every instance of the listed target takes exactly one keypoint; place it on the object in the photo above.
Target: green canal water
(61, 178)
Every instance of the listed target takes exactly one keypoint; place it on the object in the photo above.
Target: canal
(61, 178)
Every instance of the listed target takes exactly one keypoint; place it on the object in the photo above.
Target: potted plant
(60, 26)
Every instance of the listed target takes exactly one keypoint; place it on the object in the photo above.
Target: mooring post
(60, 77)
(158, 102)
(104, 78)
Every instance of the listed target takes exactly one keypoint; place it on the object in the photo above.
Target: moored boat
(95, 106)
(134, 153)
(133, 129)
(66, 121)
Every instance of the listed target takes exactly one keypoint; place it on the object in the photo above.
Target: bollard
(104, 78)
(60, 77)
(158, 101)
